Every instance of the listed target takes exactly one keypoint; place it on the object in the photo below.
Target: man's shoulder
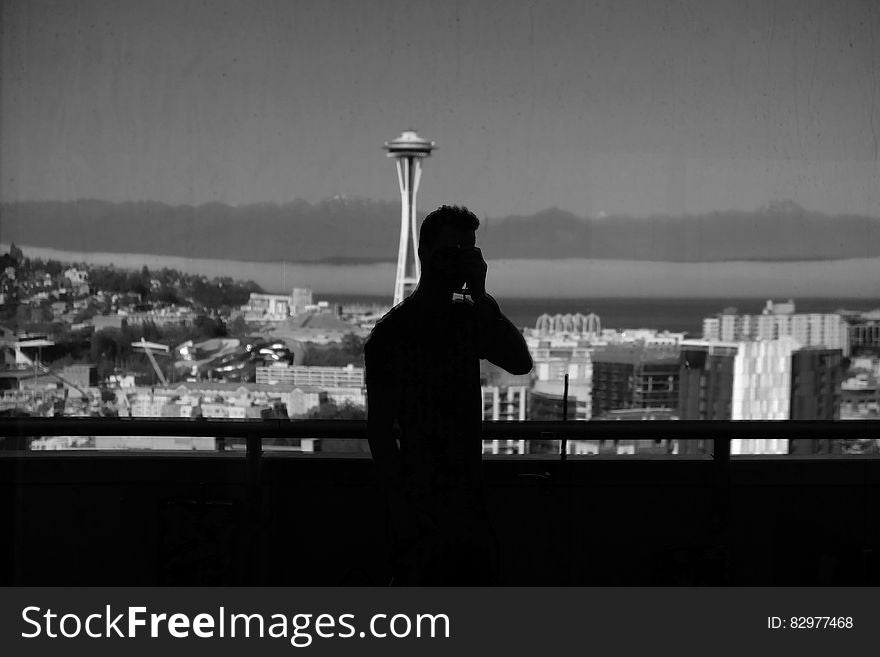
(389, 327)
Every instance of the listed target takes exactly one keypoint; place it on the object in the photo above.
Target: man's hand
(475, 269)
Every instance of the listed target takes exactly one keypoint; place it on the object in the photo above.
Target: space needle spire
(408, 150)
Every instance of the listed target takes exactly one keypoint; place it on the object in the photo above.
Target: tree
(349, 351)
(167, 295)
(328, 410)
(108, 347)
(22, 315)
(43, 313)
(353, 347)
(16, 254)
(238, 327)
(53, 268)
(138, 285)
(208, 327)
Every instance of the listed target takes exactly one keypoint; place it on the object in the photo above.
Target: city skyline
(691, 108)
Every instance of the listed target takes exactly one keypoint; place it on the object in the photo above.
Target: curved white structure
(577, 324)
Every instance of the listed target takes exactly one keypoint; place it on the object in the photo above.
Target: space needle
(408, 149)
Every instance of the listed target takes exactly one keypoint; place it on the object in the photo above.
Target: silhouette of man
(425, 408)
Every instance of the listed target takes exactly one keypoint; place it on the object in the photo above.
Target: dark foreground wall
(123, 519)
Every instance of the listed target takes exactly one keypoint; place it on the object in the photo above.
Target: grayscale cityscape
(209, 210)
(707, 259)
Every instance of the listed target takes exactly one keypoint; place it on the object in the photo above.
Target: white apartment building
(269, 307)
(828, 330)
(555, 358)
(505, 403)
(278, 307)
(332, 377)
(762, 379)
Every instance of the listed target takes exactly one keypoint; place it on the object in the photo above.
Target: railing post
(721, 503)
(255, 523)
(563, 446)
(721, 459)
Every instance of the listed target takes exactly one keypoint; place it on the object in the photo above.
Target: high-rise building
(816, 376)
(762, 380)
(736, 381)
(828, 330)
(553, 359)
(706, 380)
(863, 332)
(634, 376)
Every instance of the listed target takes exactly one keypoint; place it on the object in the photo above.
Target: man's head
(444, 233)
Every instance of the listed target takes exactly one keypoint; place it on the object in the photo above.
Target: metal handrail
(721, 432)
(595, 430)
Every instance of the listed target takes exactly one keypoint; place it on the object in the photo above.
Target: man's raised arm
(501, 342)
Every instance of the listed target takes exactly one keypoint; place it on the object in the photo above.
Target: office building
(505, 403)
(279, 307)
(760, 380)
(552, 360)
(268, 307)
(634, 377)
(863, 331)
(816, 376)
(508, 403)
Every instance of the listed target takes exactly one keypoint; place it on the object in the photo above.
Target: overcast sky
(634, 107)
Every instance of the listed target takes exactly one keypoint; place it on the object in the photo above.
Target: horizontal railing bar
(528, 430)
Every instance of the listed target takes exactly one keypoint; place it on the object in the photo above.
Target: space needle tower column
(408, 149)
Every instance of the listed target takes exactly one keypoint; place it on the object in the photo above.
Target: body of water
(664, 314)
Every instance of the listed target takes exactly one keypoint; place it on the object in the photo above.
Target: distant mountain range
(347, 231)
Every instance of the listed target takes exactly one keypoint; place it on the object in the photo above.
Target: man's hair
(458, 217)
